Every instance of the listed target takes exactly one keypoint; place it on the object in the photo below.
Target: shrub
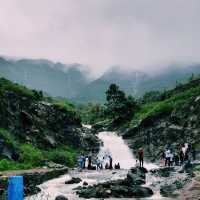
(8, 138)
(30, 154)
(64, 155)
(11, 165)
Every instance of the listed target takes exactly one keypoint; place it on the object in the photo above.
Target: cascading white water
(114, 145)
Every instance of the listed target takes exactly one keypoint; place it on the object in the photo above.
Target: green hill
(35, 129)
(170, 121)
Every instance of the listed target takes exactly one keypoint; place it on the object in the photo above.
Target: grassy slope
(174, 100)
(30, 156)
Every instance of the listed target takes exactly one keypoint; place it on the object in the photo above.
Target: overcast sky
(102, 33)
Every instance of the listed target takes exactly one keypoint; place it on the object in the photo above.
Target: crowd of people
(86, 162)
(175, 158)
(169, 157)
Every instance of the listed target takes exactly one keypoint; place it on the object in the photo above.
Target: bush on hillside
(30, 154)
(64, 155)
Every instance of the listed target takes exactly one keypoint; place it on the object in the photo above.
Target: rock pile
(128, 188)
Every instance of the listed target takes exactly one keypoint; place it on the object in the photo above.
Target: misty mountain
(95, 91)
(68, 81)
(55, 79)
(136, 83)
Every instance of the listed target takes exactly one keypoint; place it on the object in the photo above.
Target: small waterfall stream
(115, 146)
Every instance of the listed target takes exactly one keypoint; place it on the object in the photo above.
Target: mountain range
(70, 81)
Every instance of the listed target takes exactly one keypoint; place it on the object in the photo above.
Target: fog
(136, 34)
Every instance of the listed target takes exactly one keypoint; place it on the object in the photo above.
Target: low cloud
(102, 33)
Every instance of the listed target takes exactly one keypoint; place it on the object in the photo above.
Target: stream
(112, 144)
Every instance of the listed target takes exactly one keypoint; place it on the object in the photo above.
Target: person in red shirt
(141, 156)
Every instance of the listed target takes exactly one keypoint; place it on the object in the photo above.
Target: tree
(151, 96)
(119, 107)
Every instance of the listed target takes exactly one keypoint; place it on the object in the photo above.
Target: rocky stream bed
(130, 182)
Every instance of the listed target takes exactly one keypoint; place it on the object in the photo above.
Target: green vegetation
(30, 154)
(172, 101)
(13, 154)
(64, 105)
(8, 138)
(197, 168)
(92, 113)
(118, 106)
(6, 85)
(132, 112)
(31, 157)
(6, 164)
(63, 155)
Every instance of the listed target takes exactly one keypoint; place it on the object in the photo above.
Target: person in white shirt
(167, 157)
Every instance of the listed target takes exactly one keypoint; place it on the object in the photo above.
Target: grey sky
(102, 33)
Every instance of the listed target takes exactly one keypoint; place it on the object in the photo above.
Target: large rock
(135, 179)
(128, 188)
(163, 172)
(168, 190)
(87, 193)
(73, 180)
(136, 176)
(61, 197)
(141, 192)
(117, 191)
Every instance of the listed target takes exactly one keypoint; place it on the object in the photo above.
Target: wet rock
(73, 180)
(127, 188)
(87, 193)
(85, 183)
(168, 191)
(61, 197)
(119, 191)
(163, 172)
(141, 192)
(136, 176)
(135, 179)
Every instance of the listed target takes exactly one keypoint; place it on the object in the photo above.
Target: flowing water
(113, 145)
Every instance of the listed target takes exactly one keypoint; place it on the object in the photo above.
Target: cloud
(102, 33)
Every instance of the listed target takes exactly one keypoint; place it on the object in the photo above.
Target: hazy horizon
(136, 34)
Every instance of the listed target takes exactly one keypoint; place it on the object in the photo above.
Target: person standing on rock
(89, 162)
(99, 164)
(171, 159)
(167, 157)
(141, 156)
(162, 157)
(181, 157)
(80, 162)
(176, 159)
(111, 161)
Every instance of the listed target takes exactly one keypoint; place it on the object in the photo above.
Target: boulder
(73, 180)
(163, 172)
(129, 187)
(85, 183)
(136, 176)
(61, 197)
(135, 179)
(141, 192)
(168, 190)
(87, 193)
(119, 191)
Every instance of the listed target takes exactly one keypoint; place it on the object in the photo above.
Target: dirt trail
(19, 172)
